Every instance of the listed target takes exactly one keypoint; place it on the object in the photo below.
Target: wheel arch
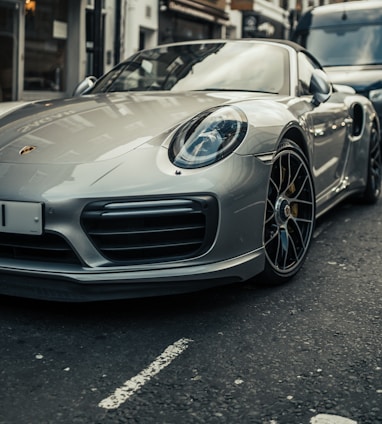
(296, 135)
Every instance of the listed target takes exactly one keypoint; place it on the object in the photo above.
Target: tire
(289, 216)
(374, 171)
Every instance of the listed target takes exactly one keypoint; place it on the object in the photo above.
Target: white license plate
(21, 217)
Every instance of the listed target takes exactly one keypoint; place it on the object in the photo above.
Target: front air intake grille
(48, 248)
(149, 231)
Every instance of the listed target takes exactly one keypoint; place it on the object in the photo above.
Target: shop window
(45, 45)
(8, 50)
(95, 39)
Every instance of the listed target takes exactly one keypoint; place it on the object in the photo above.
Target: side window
(306, 67)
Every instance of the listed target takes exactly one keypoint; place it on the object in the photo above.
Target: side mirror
(320, 87)
(84, 85)
(344, 89)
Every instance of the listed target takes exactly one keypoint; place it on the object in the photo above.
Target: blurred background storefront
(185, 20)
(9, 48)
(48, 46)
(34, 48)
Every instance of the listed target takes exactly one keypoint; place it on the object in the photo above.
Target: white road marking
(123, 393)
(331, 419)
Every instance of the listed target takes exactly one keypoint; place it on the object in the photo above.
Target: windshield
(345, 45)
(202, 66)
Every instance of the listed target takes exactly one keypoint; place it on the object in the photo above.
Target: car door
(329, 132)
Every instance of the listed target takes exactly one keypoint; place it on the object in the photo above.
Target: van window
(344, 45)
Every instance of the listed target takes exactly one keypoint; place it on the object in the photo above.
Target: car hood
(96, 128)
(361, 78)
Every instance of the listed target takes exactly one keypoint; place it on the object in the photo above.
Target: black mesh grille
(45, 248)
(151, 230)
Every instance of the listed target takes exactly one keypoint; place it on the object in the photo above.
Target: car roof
(288, 43)
(359, 12)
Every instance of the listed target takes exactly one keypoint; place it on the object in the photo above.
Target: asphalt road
(306, 352)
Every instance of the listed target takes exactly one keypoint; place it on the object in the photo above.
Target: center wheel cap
(283, 210)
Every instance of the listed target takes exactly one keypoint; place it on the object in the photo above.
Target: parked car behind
(347, 40)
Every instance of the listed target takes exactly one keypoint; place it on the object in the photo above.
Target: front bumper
(79, 264)
(97, 286)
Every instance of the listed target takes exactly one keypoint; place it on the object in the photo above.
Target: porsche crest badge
(26, 149)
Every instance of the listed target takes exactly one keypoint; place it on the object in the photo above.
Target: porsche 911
(187, 166)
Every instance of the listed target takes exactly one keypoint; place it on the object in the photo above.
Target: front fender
(268, 122)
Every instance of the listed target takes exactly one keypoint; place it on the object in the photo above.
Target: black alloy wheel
(374, 172)
(290, 214)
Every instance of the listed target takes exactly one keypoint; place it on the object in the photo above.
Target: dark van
(347, 39)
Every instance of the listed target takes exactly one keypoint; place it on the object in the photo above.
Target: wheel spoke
(296, 195)
(284, 244)
(297, 229)
(281, 177)
(304, 220)
(376, 160)
(272, 237)
(288, 251)
(270, 218)
(295, 180)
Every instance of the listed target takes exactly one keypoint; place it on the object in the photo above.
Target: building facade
(48, 46)
(40, 48)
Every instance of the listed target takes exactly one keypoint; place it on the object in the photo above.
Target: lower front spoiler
(91, 287)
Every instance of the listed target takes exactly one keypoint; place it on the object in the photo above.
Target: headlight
(208, 137)
(376, 95)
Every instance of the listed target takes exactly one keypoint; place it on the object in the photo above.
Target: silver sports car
(187, 166)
